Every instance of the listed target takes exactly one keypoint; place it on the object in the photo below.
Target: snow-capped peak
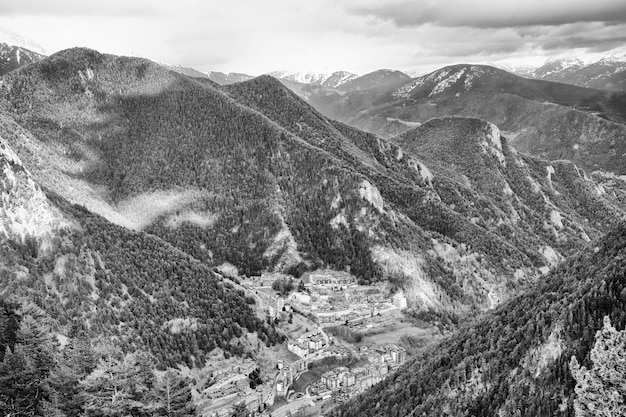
(13, 39)
(565, 63)
(327, 79)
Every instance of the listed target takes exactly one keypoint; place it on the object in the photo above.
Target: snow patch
(507, 190)
(446, 83)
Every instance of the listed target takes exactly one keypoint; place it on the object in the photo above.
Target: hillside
(13, 57)
(546, 119)
(87, 306)
(91, 277)
(252, 175)
(517, 360)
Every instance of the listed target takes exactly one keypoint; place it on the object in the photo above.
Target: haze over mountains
(484, 199)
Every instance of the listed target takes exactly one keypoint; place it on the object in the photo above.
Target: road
(292, 407)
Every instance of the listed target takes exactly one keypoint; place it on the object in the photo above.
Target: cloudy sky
(257, 36)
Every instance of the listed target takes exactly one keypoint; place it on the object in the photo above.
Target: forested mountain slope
(92, 277)
(252, 175)
(517, 360)
(546, 119)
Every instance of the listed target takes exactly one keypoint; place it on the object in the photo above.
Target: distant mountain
(252, 175)
(227, 78)
(547, 119)
(331, 80)
(558, 69)
(606, 74)
(547, 352)
(188, 71)
(13, 57)
(15, 39)
(377, 80)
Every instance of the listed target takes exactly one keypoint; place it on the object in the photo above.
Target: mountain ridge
(228, 190)
(516, 359)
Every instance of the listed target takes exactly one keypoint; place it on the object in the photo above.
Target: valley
(179, 241)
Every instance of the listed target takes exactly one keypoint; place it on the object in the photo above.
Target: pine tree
(121, 386)
(174, 394)
(601, 390)
(25, 370)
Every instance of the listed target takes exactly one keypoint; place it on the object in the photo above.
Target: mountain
(227, 78)
(558, 69)
(15, 39)
(550, 351)
(252, 175)
(605, 74)
(188, 71)
(13, 57)
(547, 119)
(215, 76)
(89, 276)
(376, 80)
(331, 80)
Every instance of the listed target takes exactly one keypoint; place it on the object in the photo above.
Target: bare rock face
(26, 215)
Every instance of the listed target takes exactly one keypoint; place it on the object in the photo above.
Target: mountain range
(488, 201)
(608, 73)
(547, 119)
(458, 228)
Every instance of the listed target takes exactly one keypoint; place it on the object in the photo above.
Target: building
(398, 354)
(349, 379)
(330, 278)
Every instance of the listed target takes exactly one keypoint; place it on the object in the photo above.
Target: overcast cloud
(256, 36)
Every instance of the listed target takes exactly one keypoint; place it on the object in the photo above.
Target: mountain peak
(15, 39)
(325, 79)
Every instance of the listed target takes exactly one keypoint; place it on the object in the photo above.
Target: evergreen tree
(25, 370)
(121, 387)
(174, 394)
(601, 390)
